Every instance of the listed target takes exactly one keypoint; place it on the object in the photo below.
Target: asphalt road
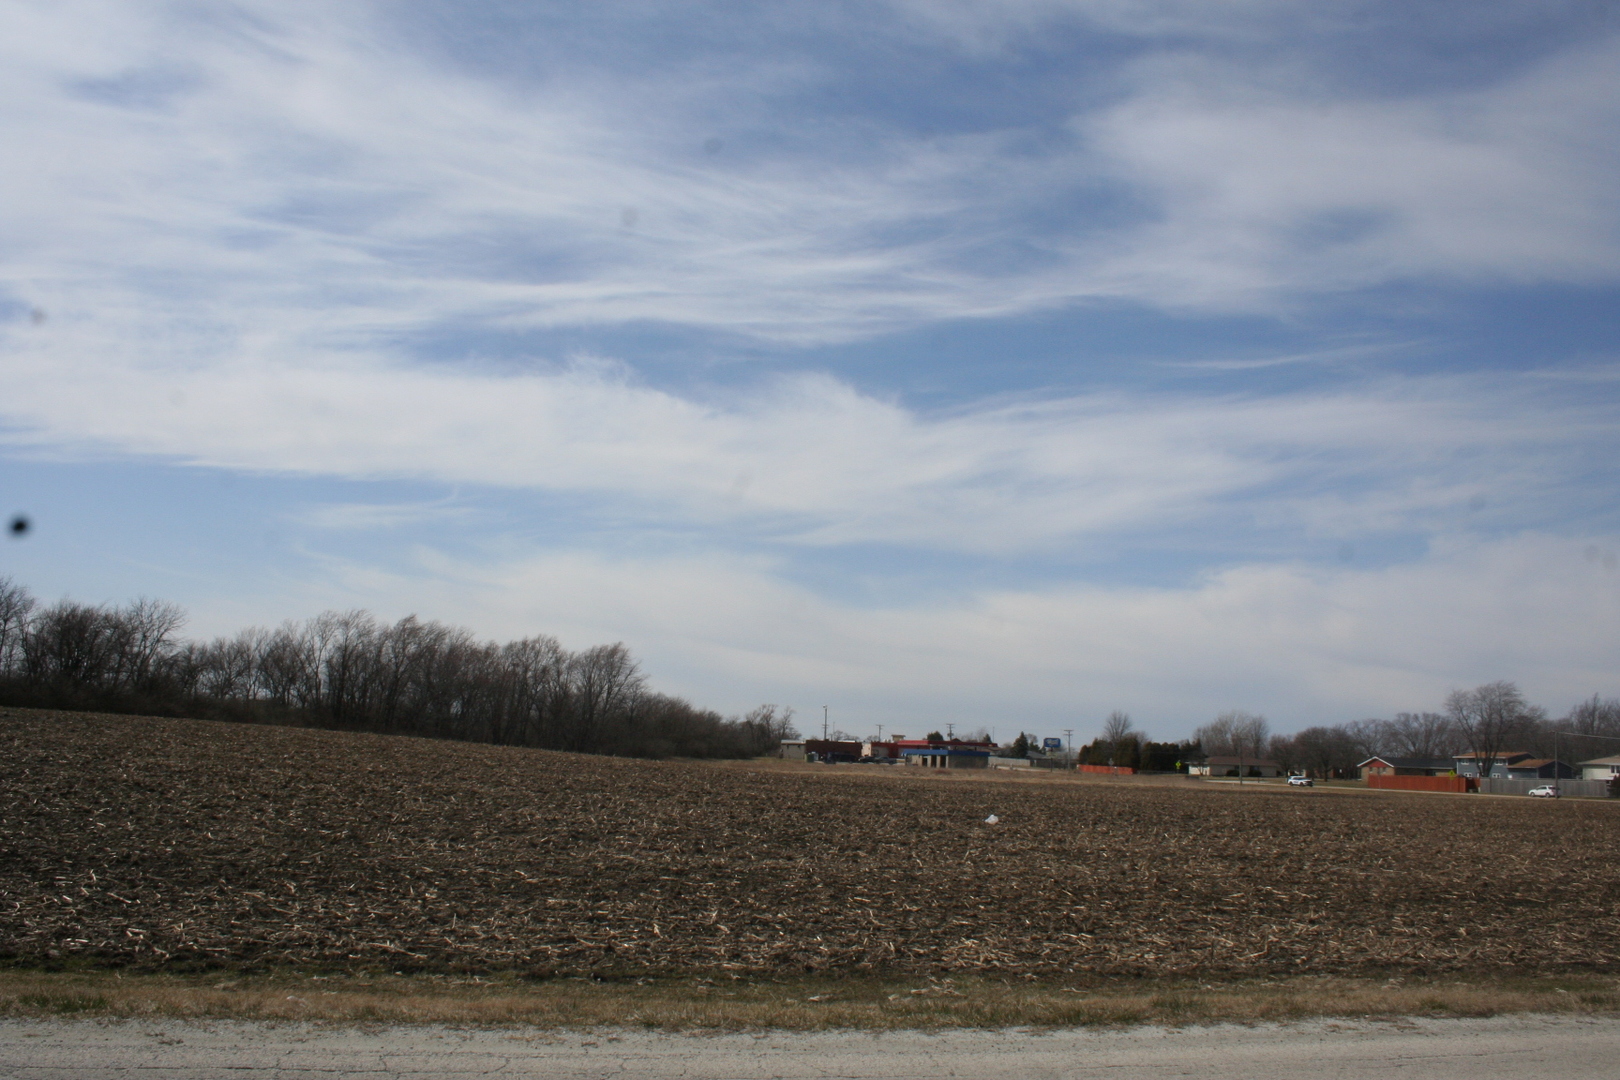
(1517, 1048)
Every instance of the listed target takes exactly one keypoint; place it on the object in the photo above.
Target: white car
(1301, 781)
(1545, 791)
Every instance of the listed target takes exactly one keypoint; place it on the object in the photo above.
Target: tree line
(1120, 744)
(1487, 721)
(350, 671)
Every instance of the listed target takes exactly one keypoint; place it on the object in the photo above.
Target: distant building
(1468, 764)
(1538, 769)
(946, 757)
(1218, 765)
(944, 753)
(1603, 768)
(933, 753)
(833, 749)
(1407, 766)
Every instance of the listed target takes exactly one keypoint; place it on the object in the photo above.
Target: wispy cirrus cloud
(275, 239)
(242, 219)
(1268, 193)
(364, 517)
(810, 459)
(275, 171)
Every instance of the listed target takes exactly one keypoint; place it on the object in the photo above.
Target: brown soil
(168, 844)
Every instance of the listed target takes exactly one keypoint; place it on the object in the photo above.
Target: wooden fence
(1423, 783)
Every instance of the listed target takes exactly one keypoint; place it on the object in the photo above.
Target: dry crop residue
(161, 842)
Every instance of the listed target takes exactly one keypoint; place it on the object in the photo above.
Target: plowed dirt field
(173, 843)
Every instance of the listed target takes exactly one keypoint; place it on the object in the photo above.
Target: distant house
(1221, 765)
(1468, 764)
(793, 749)
(1603, 768)
(1516, 765)
(1406, 766)
(1538, 769)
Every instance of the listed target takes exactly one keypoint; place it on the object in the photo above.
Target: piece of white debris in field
(991, 820)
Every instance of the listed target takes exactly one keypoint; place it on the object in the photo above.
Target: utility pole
(1068, 733)
(824, 723)
(950, 729)
(880, 733)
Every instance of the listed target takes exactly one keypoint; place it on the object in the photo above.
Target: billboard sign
(1051, 744)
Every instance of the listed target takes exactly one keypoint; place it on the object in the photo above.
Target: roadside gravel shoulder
(1480, 1049)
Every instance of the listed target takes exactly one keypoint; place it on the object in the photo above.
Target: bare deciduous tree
(1421, 735)
(603, 677)
(142, 634)
(1284, 750)
(1326, 751)
(1235, 733)
(15, 605)
(69, 645)
(1596, 724)
(1599, 716)
(1371, 738)
(1488, 718)
(346, 669)
(1116, 729)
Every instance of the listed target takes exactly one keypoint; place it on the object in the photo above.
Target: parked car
(1301, 781)
(1545, 791)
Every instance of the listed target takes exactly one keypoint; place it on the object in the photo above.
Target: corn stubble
(174, 846)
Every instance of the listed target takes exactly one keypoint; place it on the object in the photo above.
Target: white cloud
(1302, 645)
(233, 222)
(240, 221)
(812, 460)
(1267, 192)
(295, 175)
(990, 27)
(366, 517)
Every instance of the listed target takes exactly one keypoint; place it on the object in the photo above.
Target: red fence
(1112, 770)
(1424, 783)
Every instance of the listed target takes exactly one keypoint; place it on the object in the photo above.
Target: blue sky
(994, 363)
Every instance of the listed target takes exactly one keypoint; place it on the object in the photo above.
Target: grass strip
(807, 1004)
